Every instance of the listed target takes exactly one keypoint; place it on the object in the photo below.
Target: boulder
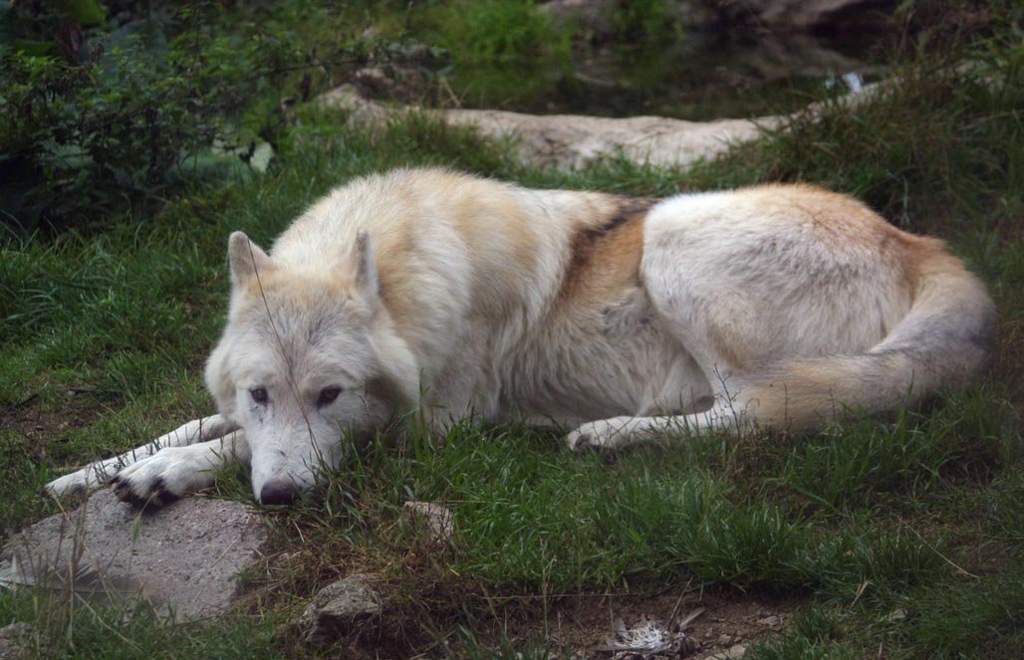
(184, 559)
(573, 141)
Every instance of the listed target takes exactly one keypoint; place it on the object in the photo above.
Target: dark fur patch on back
(586, 241)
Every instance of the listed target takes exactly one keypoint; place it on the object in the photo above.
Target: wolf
(625, 319)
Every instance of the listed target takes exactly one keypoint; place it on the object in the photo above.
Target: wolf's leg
(620, 432)
(173, 472)
(99, 473)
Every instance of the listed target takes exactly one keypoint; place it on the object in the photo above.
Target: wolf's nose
(277, 492)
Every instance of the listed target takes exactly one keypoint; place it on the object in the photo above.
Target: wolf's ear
(246, 259)
(365, 262)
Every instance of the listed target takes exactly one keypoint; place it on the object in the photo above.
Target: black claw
(162, 494)
(131, 498)
(124, 493)
(165, 497)
(158, 495)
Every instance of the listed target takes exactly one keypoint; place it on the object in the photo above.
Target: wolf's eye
(328, 395)
(259, 395)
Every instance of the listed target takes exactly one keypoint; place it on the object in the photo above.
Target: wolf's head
(307, 359)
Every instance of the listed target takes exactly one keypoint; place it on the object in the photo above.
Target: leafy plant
(98, 116)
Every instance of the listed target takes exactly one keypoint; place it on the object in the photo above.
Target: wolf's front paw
(605, 434)
(167, 475)
(81, 482)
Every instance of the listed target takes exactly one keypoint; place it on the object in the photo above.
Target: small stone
(895, 615)
(261, 157)
(724, 640)
(340, 607)
(373, 80)
(14, 641)
(732, 653)
(412, 52)
(437, 518)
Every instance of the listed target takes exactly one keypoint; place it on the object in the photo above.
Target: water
(698, 76)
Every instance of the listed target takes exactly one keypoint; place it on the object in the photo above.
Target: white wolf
(626, 318)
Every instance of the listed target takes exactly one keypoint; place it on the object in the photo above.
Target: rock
(261, 156)
(392, 81)
(373, 80)
(572, 141)
(724, 640)
(597, 17)
(341, 608)
(416, 52)
(361, 109)
(14, 641)
(732, 653)
(772, 621)
(183, 559)
(895, 616)
(436, 518)
(805, 14)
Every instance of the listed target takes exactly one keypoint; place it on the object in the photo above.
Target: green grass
(104, 334)
(75, 629)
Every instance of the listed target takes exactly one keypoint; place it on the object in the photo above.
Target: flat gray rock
(184, 558)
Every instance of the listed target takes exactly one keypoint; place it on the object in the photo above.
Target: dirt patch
(40, 425)
(424, 597)
(579, 624)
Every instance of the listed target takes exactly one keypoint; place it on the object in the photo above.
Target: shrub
(118, 111)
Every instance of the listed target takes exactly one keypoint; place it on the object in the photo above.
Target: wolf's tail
(945, 338)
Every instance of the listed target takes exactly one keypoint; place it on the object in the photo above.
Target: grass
(129, 632)
(895, 533)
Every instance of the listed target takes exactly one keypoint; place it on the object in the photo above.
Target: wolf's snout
(278, 492)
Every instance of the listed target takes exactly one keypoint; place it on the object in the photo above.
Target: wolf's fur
(628, 318)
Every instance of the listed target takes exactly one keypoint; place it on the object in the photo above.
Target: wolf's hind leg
(620, 432)
(99, 473)
(174, 472)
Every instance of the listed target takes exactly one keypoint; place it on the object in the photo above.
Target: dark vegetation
(900, 533)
